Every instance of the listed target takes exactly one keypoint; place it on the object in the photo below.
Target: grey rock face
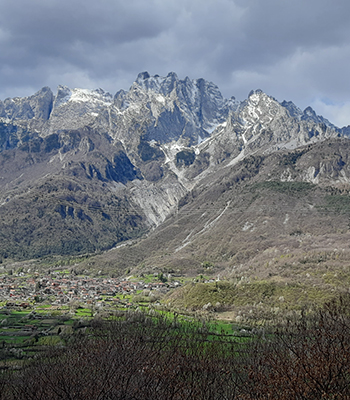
(38, 106)
(310, 115)
(345, 131)
(8, 136)
(74, 109)
(293, 110)
(192, 108)
(262, 125)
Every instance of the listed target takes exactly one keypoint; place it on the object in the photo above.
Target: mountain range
(169, 175)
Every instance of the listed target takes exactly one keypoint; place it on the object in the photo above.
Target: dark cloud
(293, 50)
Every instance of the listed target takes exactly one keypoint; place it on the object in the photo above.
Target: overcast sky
(295, 50)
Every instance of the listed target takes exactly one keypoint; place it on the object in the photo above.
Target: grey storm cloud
(294, 50)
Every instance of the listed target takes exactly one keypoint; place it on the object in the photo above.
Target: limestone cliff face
(38, 106)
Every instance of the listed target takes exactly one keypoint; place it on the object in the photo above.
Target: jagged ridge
(150, 146)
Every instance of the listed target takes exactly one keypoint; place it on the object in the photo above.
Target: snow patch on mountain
(92, 96)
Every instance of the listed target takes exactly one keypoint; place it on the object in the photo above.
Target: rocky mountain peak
(255, 92)
(63, 95)
(310, 115)
(142, 76)
(161, 85)
(293, 110)
(37, 106)
(192, 107)
(309, 112)
(259, 108)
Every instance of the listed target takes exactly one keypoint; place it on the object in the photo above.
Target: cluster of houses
(62, 289)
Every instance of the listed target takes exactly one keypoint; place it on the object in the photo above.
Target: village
(61, 289)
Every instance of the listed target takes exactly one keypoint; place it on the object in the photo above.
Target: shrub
(306, 358)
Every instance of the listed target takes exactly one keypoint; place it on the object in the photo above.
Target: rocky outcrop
(38, 106)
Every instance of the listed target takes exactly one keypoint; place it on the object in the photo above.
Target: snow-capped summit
(65, 95)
